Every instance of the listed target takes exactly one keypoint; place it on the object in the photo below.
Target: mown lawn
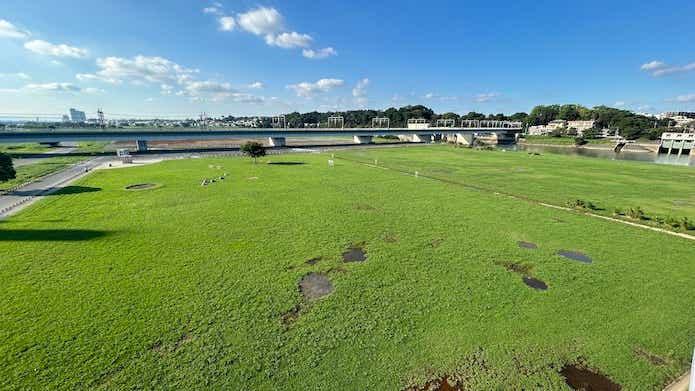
(563, 140)
(659, 190)
(191, 287)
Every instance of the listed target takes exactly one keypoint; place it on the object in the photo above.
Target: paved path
(14, 201)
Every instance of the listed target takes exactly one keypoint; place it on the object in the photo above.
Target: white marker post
(330, 163)
(692, 374)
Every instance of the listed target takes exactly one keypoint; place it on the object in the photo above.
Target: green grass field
(563, 140)
(191, 287)
(658, 189)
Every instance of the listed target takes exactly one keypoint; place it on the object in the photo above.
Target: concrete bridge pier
(465, 138)
(422, 138)
(141, 145)
(277, 141)
(362, 139)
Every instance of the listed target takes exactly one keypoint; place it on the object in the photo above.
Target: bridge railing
(475, 123)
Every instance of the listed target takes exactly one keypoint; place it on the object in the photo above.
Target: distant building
(78, 116)
(683, 119)
(66, 118)
(580, 126)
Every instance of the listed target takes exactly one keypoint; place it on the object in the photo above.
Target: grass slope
(186, 287)
(46, 166)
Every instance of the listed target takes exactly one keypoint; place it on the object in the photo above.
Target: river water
(651, 157)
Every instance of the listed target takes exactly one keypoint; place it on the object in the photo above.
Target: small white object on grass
(330, 163)
(376, 162)
(416, 174)
(692, 374)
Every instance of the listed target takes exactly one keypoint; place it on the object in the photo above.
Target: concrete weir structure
(277, 137)
(677, 143)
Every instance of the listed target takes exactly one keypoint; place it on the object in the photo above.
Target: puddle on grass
(528, 245)
(535, 283)
(574, 255)
(355, 253)
(437, 385)
(313, 261)
(140, 186)
(315, 286)
(579, 378)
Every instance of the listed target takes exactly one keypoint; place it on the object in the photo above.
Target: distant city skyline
(179, 58)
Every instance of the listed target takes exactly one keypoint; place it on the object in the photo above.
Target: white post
(692, 374)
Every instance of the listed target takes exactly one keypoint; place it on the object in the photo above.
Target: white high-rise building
(77, 116)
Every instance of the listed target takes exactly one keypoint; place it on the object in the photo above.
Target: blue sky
(181, 57)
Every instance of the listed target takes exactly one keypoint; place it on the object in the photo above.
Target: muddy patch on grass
(292, 315)
(436, 242)
(575, 256)
(443, 384)
(365, 207)
(141, 186)
(516, 267)
(313, 261)
(391, 238)
(651, 357)
(355, 253)
(580, 378)
(315, 286)
(535, 283)
(528, 245)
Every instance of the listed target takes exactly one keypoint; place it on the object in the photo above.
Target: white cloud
(18, 75)
(306, 89)
(683, 98)
(429, 95)
(256, 85)
(92, 90)
(620, 103)
(652, 65)
(166, 89)
(8, 30)
(93, 77)
(49, 49)
(360, 93)
(659, 68)
(143, 70)
(289, 40)
(261, 21)
(319, 54)
(195, 88)
(52, 87)
(227, 23)
(215, 9)
(481, 98)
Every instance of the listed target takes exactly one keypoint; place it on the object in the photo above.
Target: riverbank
(632, 147)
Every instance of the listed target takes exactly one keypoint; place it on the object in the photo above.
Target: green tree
(7, 171)
(253, 149)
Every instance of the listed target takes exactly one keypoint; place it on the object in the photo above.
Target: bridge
(463, 132)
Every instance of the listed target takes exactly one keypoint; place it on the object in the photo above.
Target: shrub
(636, 213)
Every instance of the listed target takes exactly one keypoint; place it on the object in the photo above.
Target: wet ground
(437, 385)
(355, 254)
(535, 283)
(580, 378)
(527, 245)
(141, 186)
(315, 286)
(574, 255)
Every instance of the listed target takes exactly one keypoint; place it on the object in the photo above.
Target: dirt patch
(443, 384)
(580, 378)
(651, 357)
(315, 286)
(528, 245)
(286, 163)
(366, 207)
(141, 186)
(574, 255)
(391, 238)
(535, 283)
(516, 267)
(355, 253)
(292, 315)
(436, 242)
(313, 261)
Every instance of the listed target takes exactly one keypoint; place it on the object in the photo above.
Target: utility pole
(100, 118)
